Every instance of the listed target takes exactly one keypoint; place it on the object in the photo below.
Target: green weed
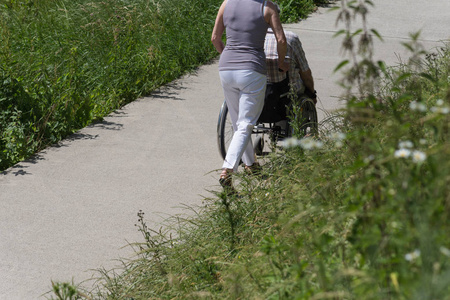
(64, 63)
(361, 215)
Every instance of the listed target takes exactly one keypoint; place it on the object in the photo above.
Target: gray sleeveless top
(245, 31)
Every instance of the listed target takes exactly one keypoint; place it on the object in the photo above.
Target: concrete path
(73, 207)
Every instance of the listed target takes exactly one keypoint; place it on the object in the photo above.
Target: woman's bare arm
(218, 30)
(271, 16)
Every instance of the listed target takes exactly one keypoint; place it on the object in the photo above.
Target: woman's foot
(254, 169)
(225, 179)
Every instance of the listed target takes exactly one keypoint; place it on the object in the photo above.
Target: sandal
(225, 179)
(254, 169)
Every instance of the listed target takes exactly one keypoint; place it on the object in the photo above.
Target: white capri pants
(244, 94)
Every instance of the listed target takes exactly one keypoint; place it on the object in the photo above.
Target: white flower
(413, 255)
(318, 144)
(337, 136)
(290, 143)
(439, 102)
(369, 158)
(402, 153)
(440, 110)
(396, 225)
(423, 141)
(405, 145)
(418, 156)
(310, 144)
(414, 105)
(307, 143)
(445, 251)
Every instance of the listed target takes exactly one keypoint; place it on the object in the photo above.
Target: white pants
(244, 93)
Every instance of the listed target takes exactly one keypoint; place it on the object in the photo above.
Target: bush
(295, 10)
(64, 64)
(361, 215)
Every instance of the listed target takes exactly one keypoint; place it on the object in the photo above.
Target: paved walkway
(73, 207)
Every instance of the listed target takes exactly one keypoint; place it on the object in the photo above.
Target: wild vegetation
(65, 64)
(361, 212)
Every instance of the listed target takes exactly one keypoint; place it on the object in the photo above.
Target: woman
(242, 70)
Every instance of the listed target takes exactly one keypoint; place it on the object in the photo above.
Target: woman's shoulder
(272, 6)
(270, 10)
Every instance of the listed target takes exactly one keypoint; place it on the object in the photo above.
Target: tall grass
(295, 10)
(66, 63)
(360, 214)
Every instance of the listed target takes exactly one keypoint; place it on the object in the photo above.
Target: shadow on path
(169, 91)
(20, 168)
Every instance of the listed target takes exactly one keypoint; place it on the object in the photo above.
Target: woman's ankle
(226, 171)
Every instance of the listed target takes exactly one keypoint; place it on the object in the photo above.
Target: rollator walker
(281, 109)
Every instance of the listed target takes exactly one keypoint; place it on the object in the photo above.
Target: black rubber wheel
(258, 145)
(308, 124)
(225, 130)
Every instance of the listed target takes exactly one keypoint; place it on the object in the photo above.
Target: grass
(363, 215)
(353, 219)
(65, 64)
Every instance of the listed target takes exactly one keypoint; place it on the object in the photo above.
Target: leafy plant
(361, 213)
(64, 64)
(295, 10)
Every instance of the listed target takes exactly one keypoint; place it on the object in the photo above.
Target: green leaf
(382, 66)
(427, 76)
(341, 64)
(334, 8)
(376, 34)
(357, 32)
(338, 33)
(408, 46)
(403, 77)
